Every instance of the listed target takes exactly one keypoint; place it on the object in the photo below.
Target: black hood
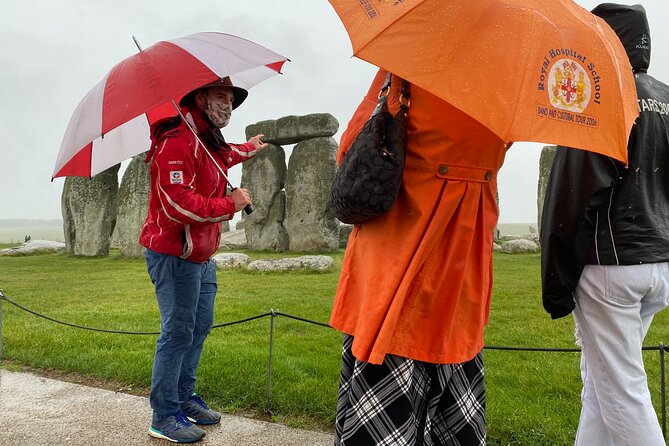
(631, 25)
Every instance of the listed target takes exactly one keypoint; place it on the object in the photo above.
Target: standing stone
(545, 164)
(264, 177)
(310, 221)
(233, 240)
(133, 197)
(89, 208)
(344, 233)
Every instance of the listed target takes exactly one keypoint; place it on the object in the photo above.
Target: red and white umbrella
(111, 123)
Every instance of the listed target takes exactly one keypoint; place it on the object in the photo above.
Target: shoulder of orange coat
(364, 111)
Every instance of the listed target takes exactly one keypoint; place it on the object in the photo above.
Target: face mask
(219, 113)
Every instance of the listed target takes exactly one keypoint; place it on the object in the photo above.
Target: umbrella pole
(248, 208)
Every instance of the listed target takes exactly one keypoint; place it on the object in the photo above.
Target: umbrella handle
(248, 209)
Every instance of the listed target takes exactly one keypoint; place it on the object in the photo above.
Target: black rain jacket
(598, 211)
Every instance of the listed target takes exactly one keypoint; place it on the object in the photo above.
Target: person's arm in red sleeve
(243, 152)
(175, 179)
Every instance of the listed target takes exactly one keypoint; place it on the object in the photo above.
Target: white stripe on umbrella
(121, 143)
(87, 117)
(219, 59)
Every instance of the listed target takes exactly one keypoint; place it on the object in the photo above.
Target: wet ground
(38, 411)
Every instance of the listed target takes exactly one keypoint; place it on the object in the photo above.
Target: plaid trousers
(404, 402)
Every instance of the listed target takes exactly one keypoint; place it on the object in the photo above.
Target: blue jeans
(185, 292)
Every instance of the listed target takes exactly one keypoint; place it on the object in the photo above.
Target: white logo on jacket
(176, 177)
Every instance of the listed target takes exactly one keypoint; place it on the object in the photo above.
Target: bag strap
(405, 94)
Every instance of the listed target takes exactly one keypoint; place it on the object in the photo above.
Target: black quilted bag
(370, 175)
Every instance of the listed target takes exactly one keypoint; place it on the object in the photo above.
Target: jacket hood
(631, 25)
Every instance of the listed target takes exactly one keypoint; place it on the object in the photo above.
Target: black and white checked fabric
(404, 402)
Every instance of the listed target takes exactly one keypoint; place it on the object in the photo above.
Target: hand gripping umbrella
(529, 70)
(111, 123)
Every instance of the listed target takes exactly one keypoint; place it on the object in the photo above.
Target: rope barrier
(297, 318)
(274, 314)
(102, 330)
(83, 327)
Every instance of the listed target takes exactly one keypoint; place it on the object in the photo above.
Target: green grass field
(532, 397)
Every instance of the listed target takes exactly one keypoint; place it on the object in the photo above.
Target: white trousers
(615, 306)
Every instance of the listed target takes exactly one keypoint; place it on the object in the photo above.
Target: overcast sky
(54, 51)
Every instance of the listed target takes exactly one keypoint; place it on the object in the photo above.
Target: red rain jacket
(187, 200)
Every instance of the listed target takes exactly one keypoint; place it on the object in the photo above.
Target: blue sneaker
(177, 429)
(198, 412)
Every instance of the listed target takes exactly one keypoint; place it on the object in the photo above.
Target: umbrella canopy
(529, 70)
(111, 123)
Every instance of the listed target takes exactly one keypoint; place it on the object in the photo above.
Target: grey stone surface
(319, 263)
(545, 164)
(293, 129)
(230, 260)
(310, 221)
(133, 202)
(39, 411)
(264, 177)
(33, 247)
(519, 246)
(89, 208)
(233, 240)
(506, 238)
(344, 233)
(532, 236)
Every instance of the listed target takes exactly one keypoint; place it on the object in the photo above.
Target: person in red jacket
(187, 204)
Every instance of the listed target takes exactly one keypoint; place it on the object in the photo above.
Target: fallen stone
(318, 263)
(230, 260)
(34, 247)
(519, 246)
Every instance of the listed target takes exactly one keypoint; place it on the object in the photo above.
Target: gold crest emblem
(569, 86)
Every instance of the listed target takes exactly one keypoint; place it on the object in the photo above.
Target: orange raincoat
(416, 282)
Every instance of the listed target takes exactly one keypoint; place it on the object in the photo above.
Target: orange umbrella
(529, 70)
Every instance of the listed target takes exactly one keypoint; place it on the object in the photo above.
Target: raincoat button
(443, 169)
(488, 175)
